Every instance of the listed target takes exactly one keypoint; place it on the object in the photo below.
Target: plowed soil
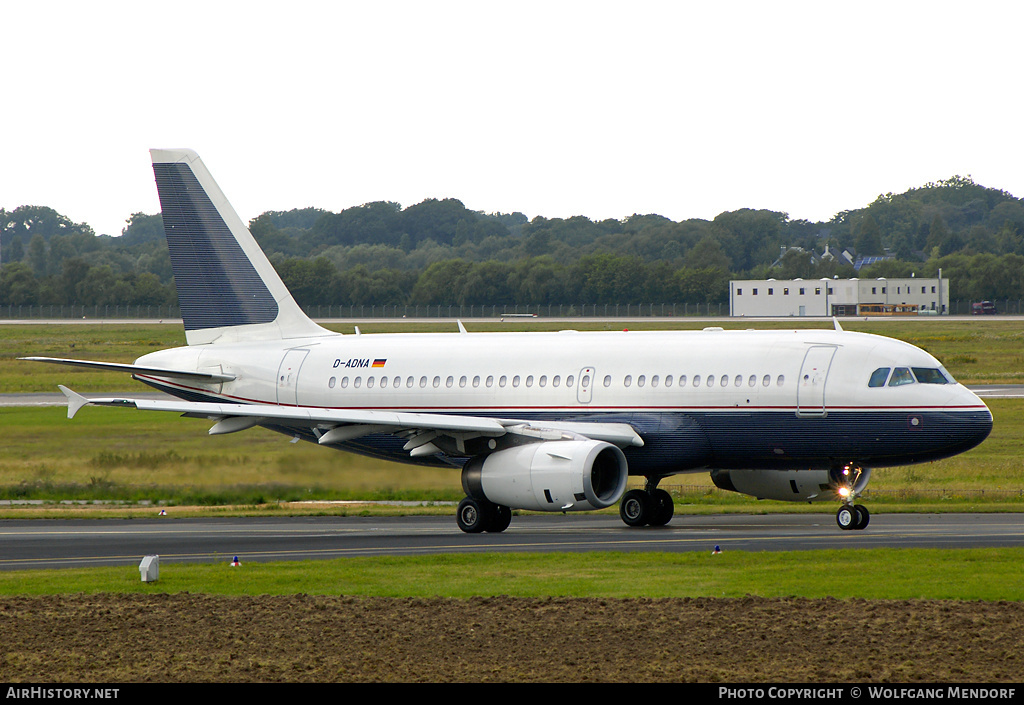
(204, 638)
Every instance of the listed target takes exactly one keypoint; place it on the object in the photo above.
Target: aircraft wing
(338, 425)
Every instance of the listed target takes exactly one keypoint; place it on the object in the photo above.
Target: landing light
(844, 492)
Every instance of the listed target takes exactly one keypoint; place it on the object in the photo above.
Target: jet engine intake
(553, 476)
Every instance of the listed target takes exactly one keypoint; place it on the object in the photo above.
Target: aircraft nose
(979, 424)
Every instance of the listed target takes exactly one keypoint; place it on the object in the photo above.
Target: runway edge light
(150, 569)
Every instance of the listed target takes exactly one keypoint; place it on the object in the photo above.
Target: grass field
(119, 454)
(981, 574)
(127, 455)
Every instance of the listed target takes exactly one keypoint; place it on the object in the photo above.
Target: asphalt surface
(32, 544)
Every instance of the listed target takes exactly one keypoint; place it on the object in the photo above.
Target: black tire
(847, 517)
(662, 508)
(635, 508)
(863, 516)
(501, 517)
(473, 516)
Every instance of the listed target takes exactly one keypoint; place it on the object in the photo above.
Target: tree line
(440, 253)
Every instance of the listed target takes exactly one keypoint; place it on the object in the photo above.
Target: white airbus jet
(540, 421)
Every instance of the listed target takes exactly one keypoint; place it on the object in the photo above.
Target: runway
(34, 544)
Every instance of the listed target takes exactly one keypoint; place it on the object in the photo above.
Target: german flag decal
(379, 362)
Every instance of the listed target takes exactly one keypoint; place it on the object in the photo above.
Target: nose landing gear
(849, 481)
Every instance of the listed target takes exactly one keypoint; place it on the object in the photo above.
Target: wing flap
(236, 417)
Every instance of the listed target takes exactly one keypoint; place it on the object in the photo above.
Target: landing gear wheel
(634, 508)
(473, 516)
(863, 516)
(847, 517)
(501, 517)
(662, 508)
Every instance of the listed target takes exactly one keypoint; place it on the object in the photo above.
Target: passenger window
(490, 381)
(409, 381)
(569, 380)
(641, 380)
(627, 381)
(696, 380)
(515, 381)
(332, 382)
(502, 381)
(462, 381)
(607, 380)
(668, 380)
(682, 380)
(752, 380)
(901, 375)
(357, 382)
(555, 381)
(529, 381)
(711, 380)
(780, 381)
(476, 381)
(397, 382)
(437, 382)
(766, 380)
(543, 381)
(725, 381)
(369, 382)
(383, 382)
(878, 377)
(423, 382)
(738, 382)
(585, 381)
(654, 381)
(449, 382)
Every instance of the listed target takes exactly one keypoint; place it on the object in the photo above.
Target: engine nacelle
(787, 485)
(553, 476)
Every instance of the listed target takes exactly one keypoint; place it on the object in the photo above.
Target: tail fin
(227, 289)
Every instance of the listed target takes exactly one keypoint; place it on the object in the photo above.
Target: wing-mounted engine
(789, 485)
(553, 476)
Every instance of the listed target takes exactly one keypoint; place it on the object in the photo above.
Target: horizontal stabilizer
(134, 369)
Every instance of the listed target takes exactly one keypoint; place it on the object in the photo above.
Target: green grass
(978, 574)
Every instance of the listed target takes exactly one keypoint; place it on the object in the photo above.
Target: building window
(755, 292)
(771, 292)
(739, 292)
(801, 291)
(785, 292)
(817, 291)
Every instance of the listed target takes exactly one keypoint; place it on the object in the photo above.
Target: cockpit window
(878, 377)
(901, 375)
(932, 375)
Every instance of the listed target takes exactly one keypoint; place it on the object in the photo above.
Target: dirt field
(202, 638)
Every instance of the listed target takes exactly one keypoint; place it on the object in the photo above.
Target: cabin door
(810, 392)
(288, 376)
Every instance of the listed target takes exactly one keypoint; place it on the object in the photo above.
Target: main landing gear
(477, 515)
(647, 507)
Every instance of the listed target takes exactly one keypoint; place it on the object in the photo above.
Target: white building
(839, 297)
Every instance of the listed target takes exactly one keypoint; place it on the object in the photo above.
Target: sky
(555, 109)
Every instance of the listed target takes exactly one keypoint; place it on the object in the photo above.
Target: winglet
(75, 400)
(462, 328)
(835, 322)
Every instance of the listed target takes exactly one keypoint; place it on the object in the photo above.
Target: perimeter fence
(399, 311)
